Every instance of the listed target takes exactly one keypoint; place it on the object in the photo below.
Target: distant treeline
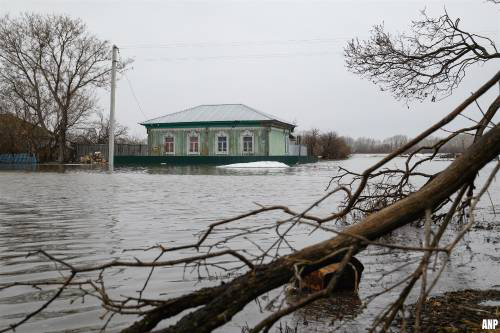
(329, 145)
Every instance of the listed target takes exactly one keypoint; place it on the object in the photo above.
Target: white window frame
(220, 135)
(169, 135)
(188, 140)
(247, 133)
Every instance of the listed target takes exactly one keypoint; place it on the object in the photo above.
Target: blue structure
(18, 159)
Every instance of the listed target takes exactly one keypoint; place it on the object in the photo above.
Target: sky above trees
(282, 57)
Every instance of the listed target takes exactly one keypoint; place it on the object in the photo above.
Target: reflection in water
(328, 312)
(205, 170)
(18, 167)
(86, 215)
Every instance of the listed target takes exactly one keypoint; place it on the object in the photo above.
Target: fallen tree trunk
(225, 302)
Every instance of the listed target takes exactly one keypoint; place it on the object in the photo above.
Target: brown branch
(41, 308)
(138, 263)
(267, 277)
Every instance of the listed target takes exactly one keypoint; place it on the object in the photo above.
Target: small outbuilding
(219, 130)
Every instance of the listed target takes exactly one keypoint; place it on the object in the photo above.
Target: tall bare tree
(50, 65)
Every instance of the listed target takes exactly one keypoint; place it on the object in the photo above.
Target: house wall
(278, 141)
(208, 141)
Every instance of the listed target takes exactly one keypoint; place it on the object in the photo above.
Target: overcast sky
(281, 57)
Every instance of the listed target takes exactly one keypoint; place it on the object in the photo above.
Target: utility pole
(111, 149)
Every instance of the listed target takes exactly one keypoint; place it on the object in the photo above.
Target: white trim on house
(244, 134)
(188, 142)
(218, 135)
(169, 135)
(182, 129)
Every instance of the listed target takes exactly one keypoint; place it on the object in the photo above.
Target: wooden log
(349, 279)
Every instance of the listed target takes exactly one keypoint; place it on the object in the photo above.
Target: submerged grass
(457, 311)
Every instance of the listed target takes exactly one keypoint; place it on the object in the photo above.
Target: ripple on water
(87, 216)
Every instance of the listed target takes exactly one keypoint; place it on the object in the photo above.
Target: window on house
(247, 144)
(169, 145)
(193, 144)
(222, 144)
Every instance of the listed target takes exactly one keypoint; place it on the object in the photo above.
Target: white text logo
(489, 324)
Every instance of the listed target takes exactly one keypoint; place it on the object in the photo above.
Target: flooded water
(86, 216)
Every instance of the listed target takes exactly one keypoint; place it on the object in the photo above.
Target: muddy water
(86, 216)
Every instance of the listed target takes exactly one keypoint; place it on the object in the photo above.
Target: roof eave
(223, 122)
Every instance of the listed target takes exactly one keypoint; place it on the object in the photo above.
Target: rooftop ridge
(270, 116)
(220, 104)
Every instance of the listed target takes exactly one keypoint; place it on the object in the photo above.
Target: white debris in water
(260, 164)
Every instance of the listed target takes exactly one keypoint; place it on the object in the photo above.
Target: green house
(219, 130)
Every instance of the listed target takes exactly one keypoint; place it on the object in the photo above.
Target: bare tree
(327, 145)
(50, 64)
(430, 61)
(96, 131)
(333, 147)
(311, 140)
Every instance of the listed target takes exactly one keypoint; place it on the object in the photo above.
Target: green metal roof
(216, 113)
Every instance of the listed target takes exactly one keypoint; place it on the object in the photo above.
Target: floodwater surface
(87, 216)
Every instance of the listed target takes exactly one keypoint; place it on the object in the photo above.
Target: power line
(134, 95)
(132, 90)
(256, 56)
(235, 43)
